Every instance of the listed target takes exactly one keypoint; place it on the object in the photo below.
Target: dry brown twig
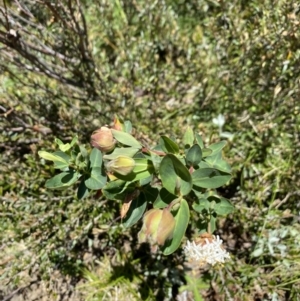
(55, 45)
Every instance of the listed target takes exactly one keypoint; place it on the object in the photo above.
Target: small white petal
(210, 252)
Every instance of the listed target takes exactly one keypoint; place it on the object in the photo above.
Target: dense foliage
(67, 68)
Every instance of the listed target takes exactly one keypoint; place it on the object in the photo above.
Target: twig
(287, 197)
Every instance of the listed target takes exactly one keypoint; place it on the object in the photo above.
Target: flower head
(122, 165)
(103, 139)
(207, 249)
(158, 226)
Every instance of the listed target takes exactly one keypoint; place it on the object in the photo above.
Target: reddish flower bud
(103, 139)
(158, 226)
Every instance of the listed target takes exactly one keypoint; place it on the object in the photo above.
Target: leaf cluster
(163, 177)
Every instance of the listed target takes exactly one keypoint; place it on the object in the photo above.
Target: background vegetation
(69, 66)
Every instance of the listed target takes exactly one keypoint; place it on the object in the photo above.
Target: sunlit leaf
(199, 140)
(175, 176)
(95, 158)
(223, 206)
(136, 211)
(217, 147)
(188, 138)
(210, 178)
(201, 204)
(194, 155)
(125, 138)
(96, 180)
(168, 145)
(182, 218)
(62, 180)
(216, 161)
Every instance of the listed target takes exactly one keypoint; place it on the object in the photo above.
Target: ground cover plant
(228, 70)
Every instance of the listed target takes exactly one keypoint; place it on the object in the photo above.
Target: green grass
(164, 65)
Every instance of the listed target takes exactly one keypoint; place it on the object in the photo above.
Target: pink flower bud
(158, 226)
(103, 139)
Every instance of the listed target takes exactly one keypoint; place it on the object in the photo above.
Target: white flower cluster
(210, 251)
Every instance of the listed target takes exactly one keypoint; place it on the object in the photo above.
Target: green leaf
(199, 140)
(83, 152)
(216, 161)
(194, 155)
(206, 152)
(168, 145)
(217, 147)
(188, 138)
(63, 180)
(150, 193)
(58, 141)
(128, 126)
(65, 147)
(201, 204)
(97, 180)
(156, 160)
(121, 151)
(146, 181)
(207, 224)
(212, 223)
(65, 157)
(113, 190)
(164, 198)
(210, 178)
(82, 190)
(52, 157)
(136, 211)
(96, 158)
(182, 218)
(125, 138)
(74, 140)
(175, 176)
(223, 207)
(203, 164)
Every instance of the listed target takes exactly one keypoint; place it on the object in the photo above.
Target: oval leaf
(168, 145)
(96, 158)
(199, 140)
(194, 155)
(182, 218)
(125, 138)
(223, 207)
(188, 138)
(209, 178)
(62, 180)
(82, 190)
(206, 152)
(51, 157)
(216, 161)
(217, 147)
(136, 211)
(97, 180)
(174, 175)
(201, 204)
(65, 157)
